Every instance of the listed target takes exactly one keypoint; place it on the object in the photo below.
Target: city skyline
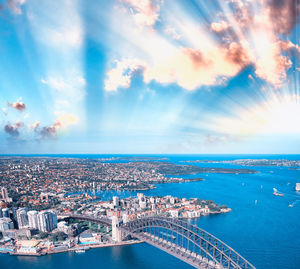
(130, 76)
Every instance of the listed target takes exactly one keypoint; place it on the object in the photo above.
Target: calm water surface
(267, 233)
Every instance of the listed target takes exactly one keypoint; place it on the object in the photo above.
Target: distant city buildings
(44, 221)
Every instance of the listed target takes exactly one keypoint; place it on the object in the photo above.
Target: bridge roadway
(177, 237)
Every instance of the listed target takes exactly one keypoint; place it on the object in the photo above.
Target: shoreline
(73, 249)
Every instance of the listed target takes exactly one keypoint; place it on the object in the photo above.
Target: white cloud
(144, 12)
(171, 31)
(67, 92)
(56, 23)
(121, 74)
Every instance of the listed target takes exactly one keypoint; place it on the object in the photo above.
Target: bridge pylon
(116, 232)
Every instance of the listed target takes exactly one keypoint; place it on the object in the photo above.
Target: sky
(149, 76)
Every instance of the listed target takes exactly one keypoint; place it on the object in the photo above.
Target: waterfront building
(47, 221)
(174, 213)
(32, 219)
(28, 246)
(141, 197)
(6, 224)
(22, 217)
(5, 212)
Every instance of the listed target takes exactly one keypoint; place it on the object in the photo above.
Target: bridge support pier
(116, 232)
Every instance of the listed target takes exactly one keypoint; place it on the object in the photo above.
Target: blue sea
(261, 227)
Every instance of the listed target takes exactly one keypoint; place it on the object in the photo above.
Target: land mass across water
(43, 182)
(293, 164)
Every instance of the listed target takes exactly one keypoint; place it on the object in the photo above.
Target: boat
(81, 250)
(290, 205)
(276, 193)
(297, 187)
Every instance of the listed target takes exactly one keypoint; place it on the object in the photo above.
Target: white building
(6, 224)
(142, 204)
(116, 201)
(47, 221)
(174, 213)
(33, 219)
(141, 197)
(125, 218)
(4, 195)
(5, 212)
(62, 226)
(22, 217)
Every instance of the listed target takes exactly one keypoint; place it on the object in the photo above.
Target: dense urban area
(40, 196)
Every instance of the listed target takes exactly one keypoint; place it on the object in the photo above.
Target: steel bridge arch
(214, 253)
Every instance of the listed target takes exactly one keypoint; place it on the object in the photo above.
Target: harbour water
(261, 227)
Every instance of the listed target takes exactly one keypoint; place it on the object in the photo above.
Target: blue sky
(149, 76)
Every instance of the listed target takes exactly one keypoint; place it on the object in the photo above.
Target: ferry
(290, 205)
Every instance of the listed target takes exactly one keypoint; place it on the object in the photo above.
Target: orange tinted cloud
(13, 130)
(219, 27)
(191, 68)
(19, 105)
(284, 14)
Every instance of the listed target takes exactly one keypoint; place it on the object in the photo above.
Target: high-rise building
(5, 212)
(47, 221)
(4, 194)
(6, 224)
(32, 219)
(22, 217)
(116, 201)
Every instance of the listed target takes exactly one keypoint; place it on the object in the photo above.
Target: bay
(266, 232)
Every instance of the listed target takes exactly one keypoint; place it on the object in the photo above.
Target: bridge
(177, 237)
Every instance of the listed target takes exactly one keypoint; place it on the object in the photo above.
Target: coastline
(73, 249)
